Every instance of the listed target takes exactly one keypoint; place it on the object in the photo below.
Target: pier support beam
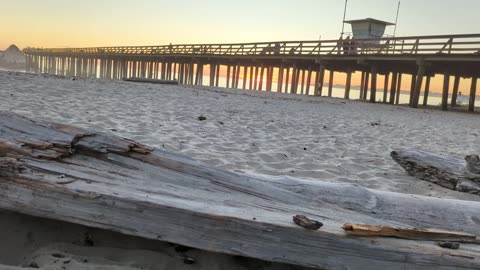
(212, 75)
(418, 85)
(234, 76)
(446, 84)
(250, 83)
(287, 79)
(293, 83)
(255, 85)
(280, 79)
(412, 90)
(217, 75)
(260, 84)
(302, 82)
(399, 88)
(365, 86)
(385, 87)
(456, 85)
(228, 76)
(473, 92)
(309, 81)
(348, 84)
(320, 81)
(362, 85)
(373, 87)
(426, 91)
(269, 78)
(244, 79)
(297, 80)
(330, 81)
(197, 75)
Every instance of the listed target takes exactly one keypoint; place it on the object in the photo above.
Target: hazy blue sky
(62, 23)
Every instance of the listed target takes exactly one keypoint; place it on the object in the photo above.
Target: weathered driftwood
(70, 174)
(154, 81)
(415, 233)
(447, 171)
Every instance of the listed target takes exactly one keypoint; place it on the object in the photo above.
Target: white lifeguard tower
(368, 29)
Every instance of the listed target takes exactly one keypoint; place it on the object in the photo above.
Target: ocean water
(434, 99)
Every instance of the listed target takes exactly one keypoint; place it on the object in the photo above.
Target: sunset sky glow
(69, 23)
(89, 23)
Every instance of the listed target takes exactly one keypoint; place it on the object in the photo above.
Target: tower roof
(371, 20)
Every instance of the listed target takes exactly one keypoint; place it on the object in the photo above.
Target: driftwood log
(447, 171)
(66, 173)
(154, 81)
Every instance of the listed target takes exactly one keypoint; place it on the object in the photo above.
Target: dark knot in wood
(449, 245)
(307, 223)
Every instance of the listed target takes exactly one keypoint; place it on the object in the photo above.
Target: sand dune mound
(13, 55)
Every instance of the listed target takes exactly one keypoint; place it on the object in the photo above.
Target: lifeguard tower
(368, 29)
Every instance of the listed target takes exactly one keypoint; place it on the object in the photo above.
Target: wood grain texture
(66, 173)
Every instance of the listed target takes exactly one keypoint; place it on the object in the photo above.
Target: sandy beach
(315, 138)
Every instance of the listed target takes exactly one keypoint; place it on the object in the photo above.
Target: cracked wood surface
(66, 173)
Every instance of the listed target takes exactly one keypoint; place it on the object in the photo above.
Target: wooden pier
(297, 67)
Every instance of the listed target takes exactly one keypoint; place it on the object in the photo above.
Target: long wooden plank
(154, 81)
(80, 176)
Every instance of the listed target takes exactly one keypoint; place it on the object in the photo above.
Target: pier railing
(444, 44)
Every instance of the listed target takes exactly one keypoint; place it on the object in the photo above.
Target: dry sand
(322, 139)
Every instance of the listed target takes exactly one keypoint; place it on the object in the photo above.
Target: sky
(77, 23)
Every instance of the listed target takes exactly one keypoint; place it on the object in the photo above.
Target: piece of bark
(447, 171)
(408, 233)
(113, 183)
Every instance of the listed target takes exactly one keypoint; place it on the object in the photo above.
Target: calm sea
(339, 92)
